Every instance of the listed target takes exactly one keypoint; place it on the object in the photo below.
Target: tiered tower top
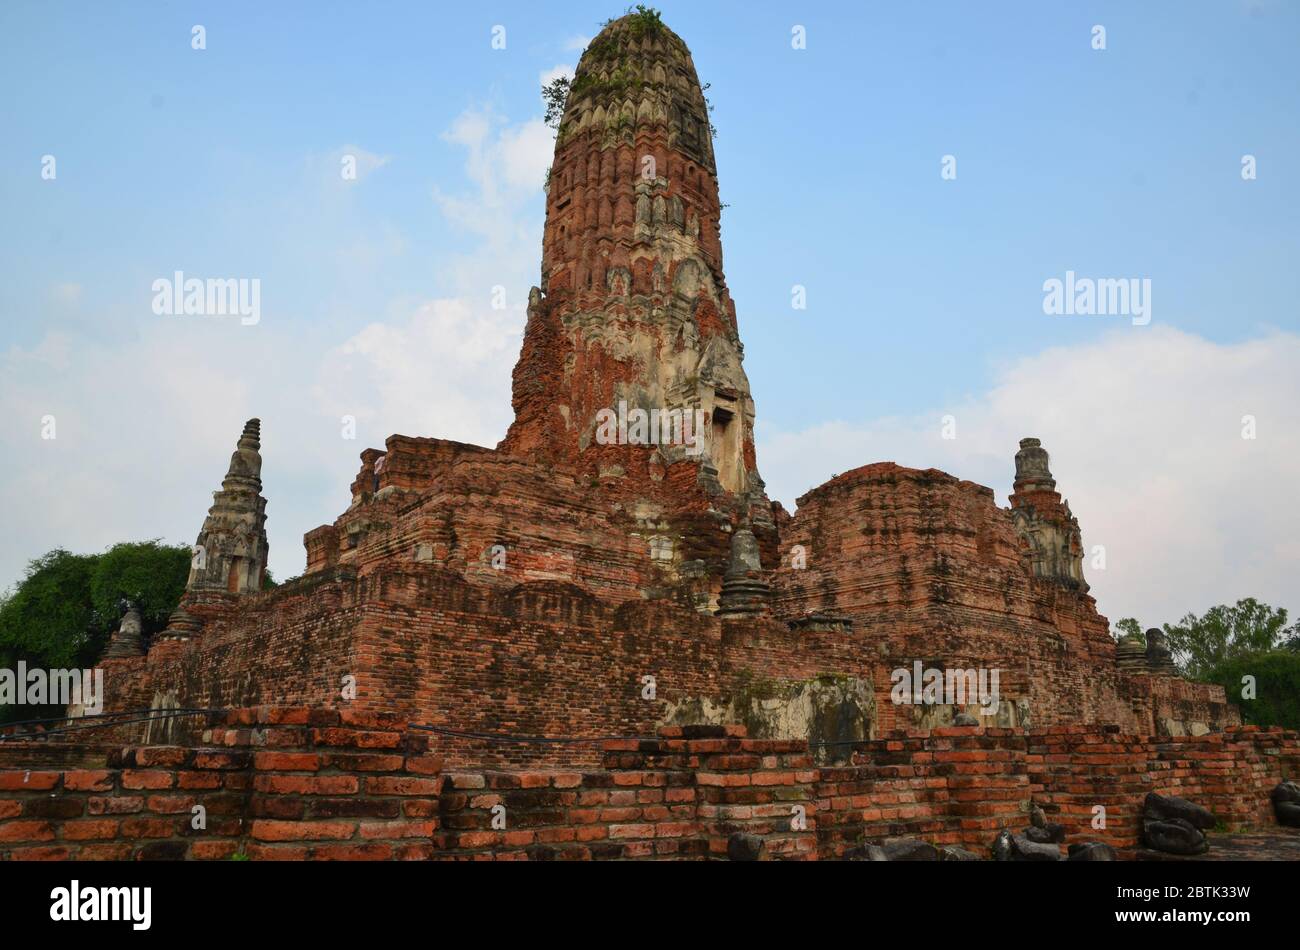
(633, 311)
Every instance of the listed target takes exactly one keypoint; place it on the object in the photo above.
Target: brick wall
(295, 783)
(671, 797)
(929, 568)
(961, 785)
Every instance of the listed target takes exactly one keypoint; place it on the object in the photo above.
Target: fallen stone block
(1286, 804)
(1052, 834)
(895, 849)
(1174, 836)
(1091, 851)
(1168, 807)
(1011, 847)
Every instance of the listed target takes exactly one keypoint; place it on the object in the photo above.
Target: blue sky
(924, 295)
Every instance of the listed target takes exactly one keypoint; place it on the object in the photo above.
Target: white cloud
(382, 374)
(575, 43)
(146, 424)
(143, 430)
(1144, 430)
(507, 163)
(443, 372)
(562, 71)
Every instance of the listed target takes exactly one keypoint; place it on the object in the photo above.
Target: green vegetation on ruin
(1226, 644)
(67, 606)
(640, 21)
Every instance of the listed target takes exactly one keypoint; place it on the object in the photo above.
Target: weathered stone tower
(633, 313)
(1044, 520)
(230, 553)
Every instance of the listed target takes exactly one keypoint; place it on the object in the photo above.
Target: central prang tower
(633, 311)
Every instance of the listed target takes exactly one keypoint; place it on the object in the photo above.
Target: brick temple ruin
(709, 660)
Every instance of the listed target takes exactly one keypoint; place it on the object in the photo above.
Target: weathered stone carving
(1175, 825)
(1286, 804)
(1130, 654)
(1043, 831)
(895, 849)
(129, 638)
(1044, 520)
(1159, 658)
(1012, 847)
(744, 591)
(230, 553)
(182, 626)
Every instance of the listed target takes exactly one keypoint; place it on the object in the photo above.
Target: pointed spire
(633, 305)
(246, 463)
(230, 553)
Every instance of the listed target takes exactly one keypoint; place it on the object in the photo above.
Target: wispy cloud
(145, 424)
(1145, 433)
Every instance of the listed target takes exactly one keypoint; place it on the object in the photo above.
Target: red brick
(160, 755)
(286, 761)
(401, 785)
(25, 781)
(198, 780)
(397, 829)
(307, 784)
(266, 830)
(213, 850)
(371, 851)
(26, 831)
(134, 779)
(149, 827)
(89, 829)
(99, 780)
(53, 853)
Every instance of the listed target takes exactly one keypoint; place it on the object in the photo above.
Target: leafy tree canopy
(63, 611)
(555, 94)
(1130, 627)
(1203, 644)
(49, 616)
(1265, 685)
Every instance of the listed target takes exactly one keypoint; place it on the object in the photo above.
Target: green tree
(49, 618)
(46, 621)
(1203, 644)
(1274, 696)
(150, 574)
(61, 614)
(555, 94)
(1129, 626)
